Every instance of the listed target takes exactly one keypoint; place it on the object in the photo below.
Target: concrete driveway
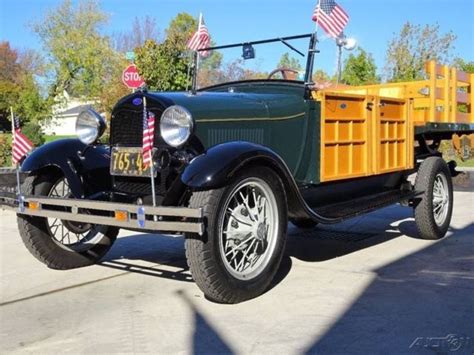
(365, 286)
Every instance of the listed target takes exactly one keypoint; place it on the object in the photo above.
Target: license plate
(128, 162)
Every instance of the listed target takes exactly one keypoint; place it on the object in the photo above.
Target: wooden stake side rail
(446, 96)
(370, 130)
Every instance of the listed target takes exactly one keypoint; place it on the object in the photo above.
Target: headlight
(176, 125)
(89, 126)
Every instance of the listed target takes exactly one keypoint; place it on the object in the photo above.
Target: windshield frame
(312, 51)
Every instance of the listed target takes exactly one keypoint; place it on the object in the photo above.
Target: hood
(210, 106)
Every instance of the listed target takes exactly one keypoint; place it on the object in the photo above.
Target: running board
(137, 217)
(353, 208)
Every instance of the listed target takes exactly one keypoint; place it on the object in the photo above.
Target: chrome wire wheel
(440, 199)
(248, 230)
(74, 236)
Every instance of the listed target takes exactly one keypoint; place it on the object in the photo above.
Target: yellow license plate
(128, 162)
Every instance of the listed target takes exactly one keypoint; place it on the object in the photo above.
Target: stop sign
(131, 78)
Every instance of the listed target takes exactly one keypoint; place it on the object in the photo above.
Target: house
(65, 112)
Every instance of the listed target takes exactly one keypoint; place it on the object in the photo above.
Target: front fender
(216, 168)
(219, 164)
(86, 168)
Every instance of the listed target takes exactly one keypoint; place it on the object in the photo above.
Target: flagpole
(152, 166)
(18, 183)
(198, 55)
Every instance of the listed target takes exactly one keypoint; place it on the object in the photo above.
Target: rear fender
(86, 168)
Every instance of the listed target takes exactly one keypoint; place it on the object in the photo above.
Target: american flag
(331, 17)
(21, 144)
(201, 39)
(148, 135)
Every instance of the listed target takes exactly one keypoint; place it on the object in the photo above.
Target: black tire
(304, 223)
(38, 239)
(428, 227)
(203, 254)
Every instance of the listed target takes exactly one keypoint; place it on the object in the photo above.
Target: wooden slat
(432, 72)
(446, 84)
(432, 67)
(462, 117)
(454, 90)
(462, 97)
(462, 76)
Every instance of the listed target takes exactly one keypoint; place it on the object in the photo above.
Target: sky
(372, 23)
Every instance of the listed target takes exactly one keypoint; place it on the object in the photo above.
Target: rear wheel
(240, 253)
(56, 243)
(433, 212)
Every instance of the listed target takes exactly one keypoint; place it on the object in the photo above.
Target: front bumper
(129, 216)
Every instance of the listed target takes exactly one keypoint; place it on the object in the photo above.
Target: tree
(286, 61)
(18, 87)
(80, 57)
(162, 65)
(412, 47)
(461, 64)
(143, 29)
(360, 69)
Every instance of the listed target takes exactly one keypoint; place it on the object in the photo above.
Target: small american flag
(148, 135)
(331, 17)
(201, 39)
(21, 144)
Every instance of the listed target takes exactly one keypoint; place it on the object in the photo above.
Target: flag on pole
(21, 144)
(331, 17)
(148, 135)
(201, 38)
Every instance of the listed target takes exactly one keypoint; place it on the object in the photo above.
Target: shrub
(34, 133)
(5, 150)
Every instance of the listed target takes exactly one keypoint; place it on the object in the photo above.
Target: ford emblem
(137, 101)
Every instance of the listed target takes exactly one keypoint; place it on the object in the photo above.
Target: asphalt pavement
(366, 286)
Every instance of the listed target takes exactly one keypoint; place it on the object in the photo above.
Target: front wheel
(61, 244)
(239, 255)
(433, 212)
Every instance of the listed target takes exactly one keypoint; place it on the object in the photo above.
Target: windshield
(285, 58)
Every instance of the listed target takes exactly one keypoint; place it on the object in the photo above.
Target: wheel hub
(248, 230)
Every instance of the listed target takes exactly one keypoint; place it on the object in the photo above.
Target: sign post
(131, 78)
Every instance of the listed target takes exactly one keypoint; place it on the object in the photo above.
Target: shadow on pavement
(422, 303)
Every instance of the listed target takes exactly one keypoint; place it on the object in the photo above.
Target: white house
(65, 112)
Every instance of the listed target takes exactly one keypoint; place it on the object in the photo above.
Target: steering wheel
(287, 73)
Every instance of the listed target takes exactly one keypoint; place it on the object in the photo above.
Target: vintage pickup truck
(234, 162)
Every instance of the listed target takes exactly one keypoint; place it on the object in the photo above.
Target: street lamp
(348, 44)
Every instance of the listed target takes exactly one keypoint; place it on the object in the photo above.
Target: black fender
(218, 165)
(85, 167)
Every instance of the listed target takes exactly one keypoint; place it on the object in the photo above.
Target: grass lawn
(465, 164)
(48, 139)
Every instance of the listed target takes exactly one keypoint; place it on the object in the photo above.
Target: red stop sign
(131, 78)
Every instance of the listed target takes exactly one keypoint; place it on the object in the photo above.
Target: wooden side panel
(344, 137)
(363, 135)
(392, 136)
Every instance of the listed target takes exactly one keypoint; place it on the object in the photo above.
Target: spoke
(237, 219)
(244, 257)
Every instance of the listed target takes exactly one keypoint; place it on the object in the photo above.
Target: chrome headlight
(89, 126)
(176, 125)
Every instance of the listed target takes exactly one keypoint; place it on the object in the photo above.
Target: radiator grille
(127, 128)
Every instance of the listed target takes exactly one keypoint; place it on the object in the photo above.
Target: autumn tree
(415, 44)
(18, 87)
(360, 69)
